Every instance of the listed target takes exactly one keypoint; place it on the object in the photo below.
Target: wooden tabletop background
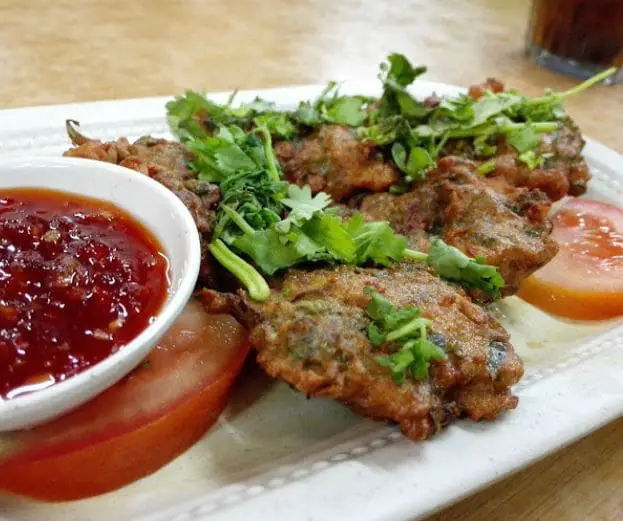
(59, 51)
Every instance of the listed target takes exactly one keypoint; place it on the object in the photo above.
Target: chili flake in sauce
(79, 278)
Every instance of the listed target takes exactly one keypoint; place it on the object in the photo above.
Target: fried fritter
(454, 203)
(564, 171)
(312, 333)
(333, 160)
(165, 161)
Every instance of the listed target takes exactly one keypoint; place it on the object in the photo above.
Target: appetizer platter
(425, 283)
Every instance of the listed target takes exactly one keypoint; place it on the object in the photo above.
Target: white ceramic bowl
(162, 213)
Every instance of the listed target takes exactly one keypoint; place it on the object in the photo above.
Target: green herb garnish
(376, 241)
(452, 264)
(407, 330)
(417, 134)
(277, 225)
(486, 167)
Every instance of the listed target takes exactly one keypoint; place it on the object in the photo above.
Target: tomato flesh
(592, 236)
(585, 279)
(136, 426)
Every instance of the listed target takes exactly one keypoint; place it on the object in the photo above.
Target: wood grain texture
(65, 51)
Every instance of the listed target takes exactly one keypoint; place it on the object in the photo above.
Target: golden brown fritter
(333, 160)
(564, 171)
(454, 203)
(312, 333)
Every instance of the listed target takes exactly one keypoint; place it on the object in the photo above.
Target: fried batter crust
(453, 202)
(333, 160)
(312, 333)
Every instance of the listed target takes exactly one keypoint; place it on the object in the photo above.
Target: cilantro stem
(544, 126)
(413, 255)
(442, 143)
(252, 280)
(417, 324)
(487, 167)
(232, 96)
(269, 153)
(538, 126)
(575, 90)
(590, 82)
(238, 219)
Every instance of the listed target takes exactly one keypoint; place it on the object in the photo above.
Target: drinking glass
(577, 37)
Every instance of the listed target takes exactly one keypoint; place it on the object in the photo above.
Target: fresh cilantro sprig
(405, 329)
(307, 234)
(413, 132)
(452, 264)
(333, 108)
(416, 134)
(275, 224)
(193, 115)
(278, 225)
(376, 241)
(396, 75)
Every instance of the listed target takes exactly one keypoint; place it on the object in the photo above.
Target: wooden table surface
(65, 51)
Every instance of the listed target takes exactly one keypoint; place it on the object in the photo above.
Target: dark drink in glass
(577, 37)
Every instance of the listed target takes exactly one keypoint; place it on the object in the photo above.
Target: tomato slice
(136, 426)
(585, 279)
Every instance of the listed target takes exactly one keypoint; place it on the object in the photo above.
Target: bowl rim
(16, 411)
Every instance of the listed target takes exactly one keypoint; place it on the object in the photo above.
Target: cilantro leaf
(385, 131)
(405, 329)
(217, 157)
(491, 105)
(330, 107)
(375, 335)
(452, 264)
(459, 109)
(258, 106)
(184, 114)
(482, 147)
(278, 124)
(531, 159)
(329, 231)
(307, 114)
(414, 164)
(348, 110)
(396, 75)
(386, 315)
(379, 307)
(424, 351)
(303, 206)
(268, 250)
(401, 71)
(523, 138)
(195, 116)
(376, 241)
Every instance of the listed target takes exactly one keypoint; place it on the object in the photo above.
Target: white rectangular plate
(275, 455)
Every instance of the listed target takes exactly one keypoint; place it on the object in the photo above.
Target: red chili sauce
(79, 278)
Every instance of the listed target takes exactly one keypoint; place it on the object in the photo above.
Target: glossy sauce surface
(79, 278)
(587, 234)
